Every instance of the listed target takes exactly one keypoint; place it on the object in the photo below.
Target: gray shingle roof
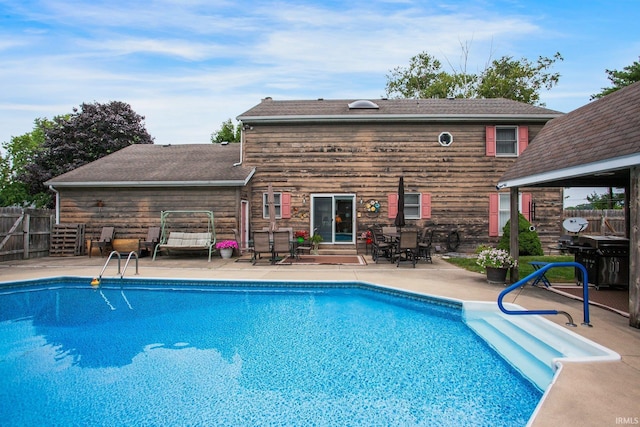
(165, 165)
(270, 110)
(595, 137)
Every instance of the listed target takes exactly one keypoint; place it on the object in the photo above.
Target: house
(131, 187)
(335, 164)
(597, 145)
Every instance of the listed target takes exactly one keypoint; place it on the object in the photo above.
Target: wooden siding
(367, 160)
(132, 210)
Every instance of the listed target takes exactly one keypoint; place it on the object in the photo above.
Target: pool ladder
(539, 273)
(97, 281)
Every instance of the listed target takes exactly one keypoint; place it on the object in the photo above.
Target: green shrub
(528, 241)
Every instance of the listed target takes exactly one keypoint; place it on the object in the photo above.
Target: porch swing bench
(185, 241)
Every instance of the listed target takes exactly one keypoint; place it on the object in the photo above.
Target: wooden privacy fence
(25, 233)
(607, 222)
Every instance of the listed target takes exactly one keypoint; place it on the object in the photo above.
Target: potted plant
(496, 262)
(301, 235)
(226, 248)
(315, 242)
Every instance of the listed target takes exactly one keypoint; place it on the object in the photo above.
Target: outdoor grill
(606, 259)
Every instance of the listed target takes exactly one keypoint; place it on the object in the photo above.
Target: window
(504, 210)
(412, 205)
(277, 197)
(445, 139)
(416, 205)
(500, 210)
(506, 141)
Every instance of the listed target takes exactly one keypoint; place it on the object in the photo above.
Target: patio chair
(261, 245)
(407, 250)
(281, 244)
(379, 247)
(149, 243)
(424, 245)
(104, 242)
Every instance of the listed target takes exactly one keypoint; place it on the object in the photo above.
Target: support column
(514, 240)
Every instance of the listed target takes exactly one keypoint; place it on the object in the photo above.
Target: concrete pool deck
(585, 394)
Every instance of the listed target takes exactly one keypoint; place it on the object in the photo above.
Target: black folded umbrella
(399, 221)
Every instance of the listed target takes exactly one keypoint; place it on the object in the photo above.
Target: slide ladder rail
(540, 272)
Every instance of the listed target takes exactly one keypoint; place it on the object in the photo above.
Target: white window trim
(507, 210)
(265, 205)
(516, 148)
(419, 206)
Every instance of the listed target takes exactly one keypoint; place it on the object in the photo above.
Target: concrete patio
(585, 394)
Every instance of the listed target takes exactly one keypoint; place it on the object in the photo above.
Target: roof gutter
(94, 184)
(572, 172)
(242, 129)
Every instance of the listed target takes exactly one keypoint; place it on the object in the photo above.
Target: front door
(333, 217)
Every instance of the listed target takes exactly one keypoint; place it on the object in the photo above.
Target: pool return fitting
(539, 273)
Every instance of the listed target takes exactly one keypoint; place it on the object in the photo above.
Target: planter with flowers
(497, 263)
(315, 242)
(301, 235)
(226, 248)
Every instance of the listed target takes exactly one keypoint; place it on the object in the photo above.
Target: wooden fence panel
(24, 233)
(608, 222)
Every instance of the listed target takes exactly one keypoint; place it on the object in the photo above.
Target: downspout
(242, 129)
(57, 203)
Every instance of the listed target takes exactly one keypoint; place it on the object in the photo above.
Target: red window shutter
(490, 141)
(426, 206)
(523, 138)
(526, 205)
(493, 214)
(285, 205)
(392, 200)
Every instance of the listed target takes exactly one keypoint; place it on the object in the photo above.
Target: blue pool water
(169, 353)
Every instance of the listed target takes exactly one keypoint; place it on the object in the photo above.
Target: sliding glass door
(333, 217)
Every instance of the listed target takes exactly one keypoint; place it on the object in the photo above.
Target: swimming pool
(253, 353)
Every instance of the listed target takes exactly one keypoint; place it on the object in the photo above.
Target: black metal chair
(424, 245)
(407, 250)
(379, 246)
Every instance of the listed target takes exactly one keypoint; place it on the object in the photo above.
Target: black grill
(606, 259)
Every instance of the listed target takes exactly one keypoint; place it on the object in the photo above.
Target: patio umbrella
(271, 204)
(399, 221)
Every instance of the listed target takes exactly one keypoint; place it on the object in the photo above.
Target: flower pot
(497, 275)
(300, 239)
(226, 253)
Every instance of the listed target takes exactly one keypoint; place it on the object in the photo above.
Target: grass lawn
(558, 274)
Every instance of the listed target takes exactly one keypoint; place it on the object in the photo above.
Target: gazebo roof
(593, 146)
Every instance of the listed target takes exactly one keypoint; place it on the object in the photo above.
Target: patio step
(337, 251)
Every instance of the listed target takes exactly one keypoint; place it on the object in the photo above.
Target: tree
(620, 79)
(20, 150)
(80, 138)
(609, 200)
(528, 240)
(504, 78)
(227, 132)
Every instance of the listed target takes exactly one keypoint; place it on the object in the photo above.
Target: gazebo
(597, 145)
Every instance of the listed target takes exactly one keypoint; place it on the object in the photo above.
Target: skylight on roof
(362, 104)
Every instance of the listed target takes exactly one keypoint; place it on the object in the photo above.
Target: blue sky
(188, 65)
